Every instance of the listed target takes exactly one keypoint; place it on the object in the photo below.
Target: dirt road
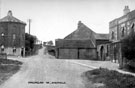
(44, 71)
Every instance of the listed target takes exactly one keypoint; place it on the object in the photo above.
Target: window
(2, 48)
(2, 28)
(14, 36)
(133, 27)
(123, 32)
(107, 53)
(112, 35)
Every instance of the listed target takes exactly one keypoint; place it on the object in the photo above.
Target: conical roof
(11, 18)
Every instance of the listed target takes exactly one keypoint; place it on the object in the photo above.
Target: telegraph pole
(29, 20)
(0, 8)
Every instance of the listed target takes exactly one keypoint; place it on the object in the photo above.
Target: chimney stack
(126, 10)
(9, 13)
(79, 24)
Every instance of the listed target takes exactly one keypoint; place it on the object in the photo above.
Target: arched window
(112, 35)
(2, 48)
(133, 27)
(123, 32)
(107, 53)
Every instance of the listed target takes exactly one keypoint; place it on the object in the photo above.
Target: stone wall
(17, 52)
(12, 35)
(103, 51)
(115, 51)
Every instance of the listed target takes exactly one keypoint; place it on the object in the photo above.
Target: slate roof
(10, 18)
(63, 43)
(131, 14)
(83, 37)
(83, 32)
(101, 36)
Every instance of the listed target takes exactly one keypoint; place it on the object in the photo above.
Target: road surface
(44, 71)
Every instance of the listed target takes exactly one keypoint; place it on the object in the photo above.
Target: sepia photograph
(67, 43)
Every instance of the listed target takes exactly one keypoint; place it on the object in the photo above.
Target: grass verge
(110, 78)
(8, 68)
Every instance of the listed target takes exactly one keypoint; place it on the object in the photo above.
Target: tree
(128, 51)
(128, 47)
(50, 43)
(29, 42)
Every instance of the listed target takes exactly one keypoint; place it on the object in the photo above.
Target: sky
(53, 19)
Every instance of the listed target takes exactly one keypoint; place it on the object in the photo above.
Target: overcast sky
(52, 19)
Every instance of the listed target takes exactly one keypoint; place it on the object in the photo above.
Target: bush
(128, 47)
(8, 61)
(30, 41)
(111, 78)
(128, 51)
(7, 69)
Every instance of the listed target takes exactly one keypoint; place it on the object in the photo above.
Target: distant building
(80, 44)
(119, 28)
(12, 35)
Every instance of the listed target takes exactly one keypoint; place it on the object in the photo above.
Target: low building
(12, 35)
(50, 50)
(80, 44)
(103, 46)
(75, 49)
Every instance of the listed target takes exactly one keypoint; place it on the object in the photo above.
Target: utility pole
(0, 7)
(29, 20)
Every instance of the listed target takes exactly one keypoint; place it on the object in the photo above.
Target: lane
(43, 71)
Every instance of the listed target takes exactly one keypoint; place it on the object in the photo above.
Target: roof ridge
(80, 26)
(11, 18)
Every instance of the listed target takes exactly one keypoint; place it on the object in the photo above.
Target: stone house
(119, 28)
(12, 35)
(80, 44)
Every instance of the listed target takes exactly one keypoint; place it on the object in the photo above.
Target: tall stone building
(12, 35)
(119, 28)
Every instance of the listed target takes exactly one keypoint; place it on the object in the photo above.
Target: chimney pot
(126, 10)
(79, 24)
